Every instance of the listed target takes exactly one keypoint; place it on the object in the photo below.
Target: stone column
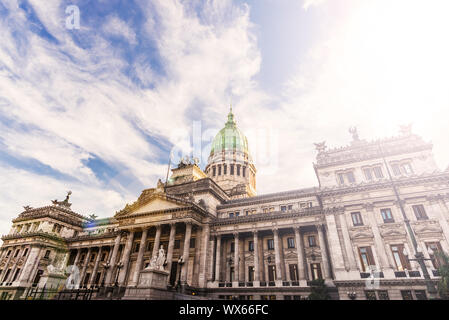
(77, 257)
(352, 264)
(196, 258)
(186, 253)
(86, 264)
(139, 261)
(112, 260)
(157, 241)
(335, 248)
(125, 260)
(236, 258)
(277, 255)
(256, 258)
(28, 266)
(218, 259)
(202, 281)
(324, 257)
(300, 254)
(171, 245)
(94, 271)
(14, 267)
(242, 263)
(385, 266)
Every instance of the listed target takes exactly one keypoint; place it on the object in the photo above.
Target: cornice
(266, 198)
(267, 216)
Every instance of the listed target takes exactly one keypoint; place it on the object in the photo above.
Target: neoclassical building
(377, 205)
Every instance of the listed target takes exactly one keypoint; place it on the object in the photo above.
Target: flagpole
(168, 170)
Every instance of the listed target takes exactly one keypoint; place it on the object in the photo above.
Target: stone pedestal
(152, 285)
(52, 280)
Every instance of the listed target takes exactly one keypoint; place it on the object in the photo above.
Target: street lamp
(352, 295)
(419, 256)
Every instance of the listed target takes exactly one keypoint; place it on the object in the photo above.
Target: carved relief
(360, 233)
(392, 229)
(424, 227)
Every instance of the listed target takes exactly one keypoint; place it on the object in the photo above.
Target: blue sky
(96, 110)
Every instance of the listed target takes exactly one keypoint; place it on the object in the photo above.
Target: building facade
(376, 201)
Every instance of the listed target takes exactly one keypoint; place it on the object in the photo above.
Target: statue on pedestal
(157, 262)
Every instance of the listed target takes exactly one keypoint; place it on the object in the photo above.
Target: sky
(96, 107)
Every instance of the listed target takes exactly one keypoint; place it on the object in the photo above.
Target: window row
(291, 243)
(283, 208)
(234, 169)
(371, 173)
(387, 216)
(400, 256)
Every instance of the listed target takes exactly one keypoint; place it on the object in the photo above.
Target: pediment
(155, 202)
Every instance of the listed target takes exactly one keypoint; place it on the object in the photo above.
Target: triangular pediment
(157, 204)
(152, 202)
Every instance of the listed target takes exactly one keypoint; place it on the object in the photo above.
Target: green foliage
(318, 290)
(443, 285)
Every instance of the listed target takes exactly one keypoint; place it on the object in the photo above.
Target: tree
(319, 290)
(443, 284)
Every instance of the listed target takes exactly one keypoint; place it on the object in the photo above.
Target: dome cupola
(230, 164)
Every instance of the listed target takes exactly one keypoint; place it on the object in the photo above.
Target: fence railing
(60, 294)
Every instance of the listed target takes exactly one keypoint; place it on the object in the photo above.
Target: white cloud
(312, 3)
(117, 27)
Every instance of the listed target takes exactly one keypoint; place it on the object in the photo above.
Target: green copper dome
(230, 138)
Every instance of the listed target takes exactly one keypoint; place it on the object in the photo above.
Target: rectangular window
(316, 271)
(396, 169)
(387, 216)
(137, 247)
(92, 257)
(231, 273)
(293, 269)
(237, 214)
(406, 295)
(232, 169)
(231, 215)
(312, 241)
(25, 252)
(214, 171)
(356, 218)
(238, 170)
(283, 208)
(270, 244)
(177, 244)
(399, 257)
(219, 170)
(407, 168)
(16, 253)
(247, 212)
(103, 256)
(290, 243)
(436, 247)
(250, 273)
(244, 171)
(232, 246)
(370, 295)
(419, 211)
(47, 254)
(225, 168)
(366, 258)
(368, 175)
(341, 178)
(378, 172)
(251, 246)
(350, 176)
(420, 295)
(271, 273)
(290, 207)
(383, 295)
